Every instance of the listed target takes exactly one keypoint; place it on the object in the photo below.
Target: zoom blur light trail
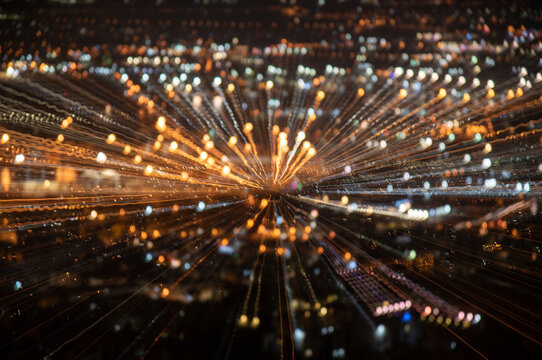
(400, 178)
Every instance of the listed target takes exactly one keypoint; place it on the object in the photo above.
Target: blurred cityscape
(275, 179)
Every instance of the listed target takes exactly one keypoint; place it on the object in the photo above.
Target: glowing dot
(137, 159)
(127, 149)
(243, 320)
(201, 206)
(487, 148)
(17, 285)
(403, 93)
(93, 215)
(173, 146)
(226, 170)
(232, 141)
(149, 170)
(19, 158)
(161, 124)
(4, 139)
(380, 331)
(344, 200)
(101, 157)
(111, 138)
(209, 145)
(148, 210)
(323, 311)
(60, 138)
(165, 291)
(427, 310)
(442, 93)
(320, 95)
